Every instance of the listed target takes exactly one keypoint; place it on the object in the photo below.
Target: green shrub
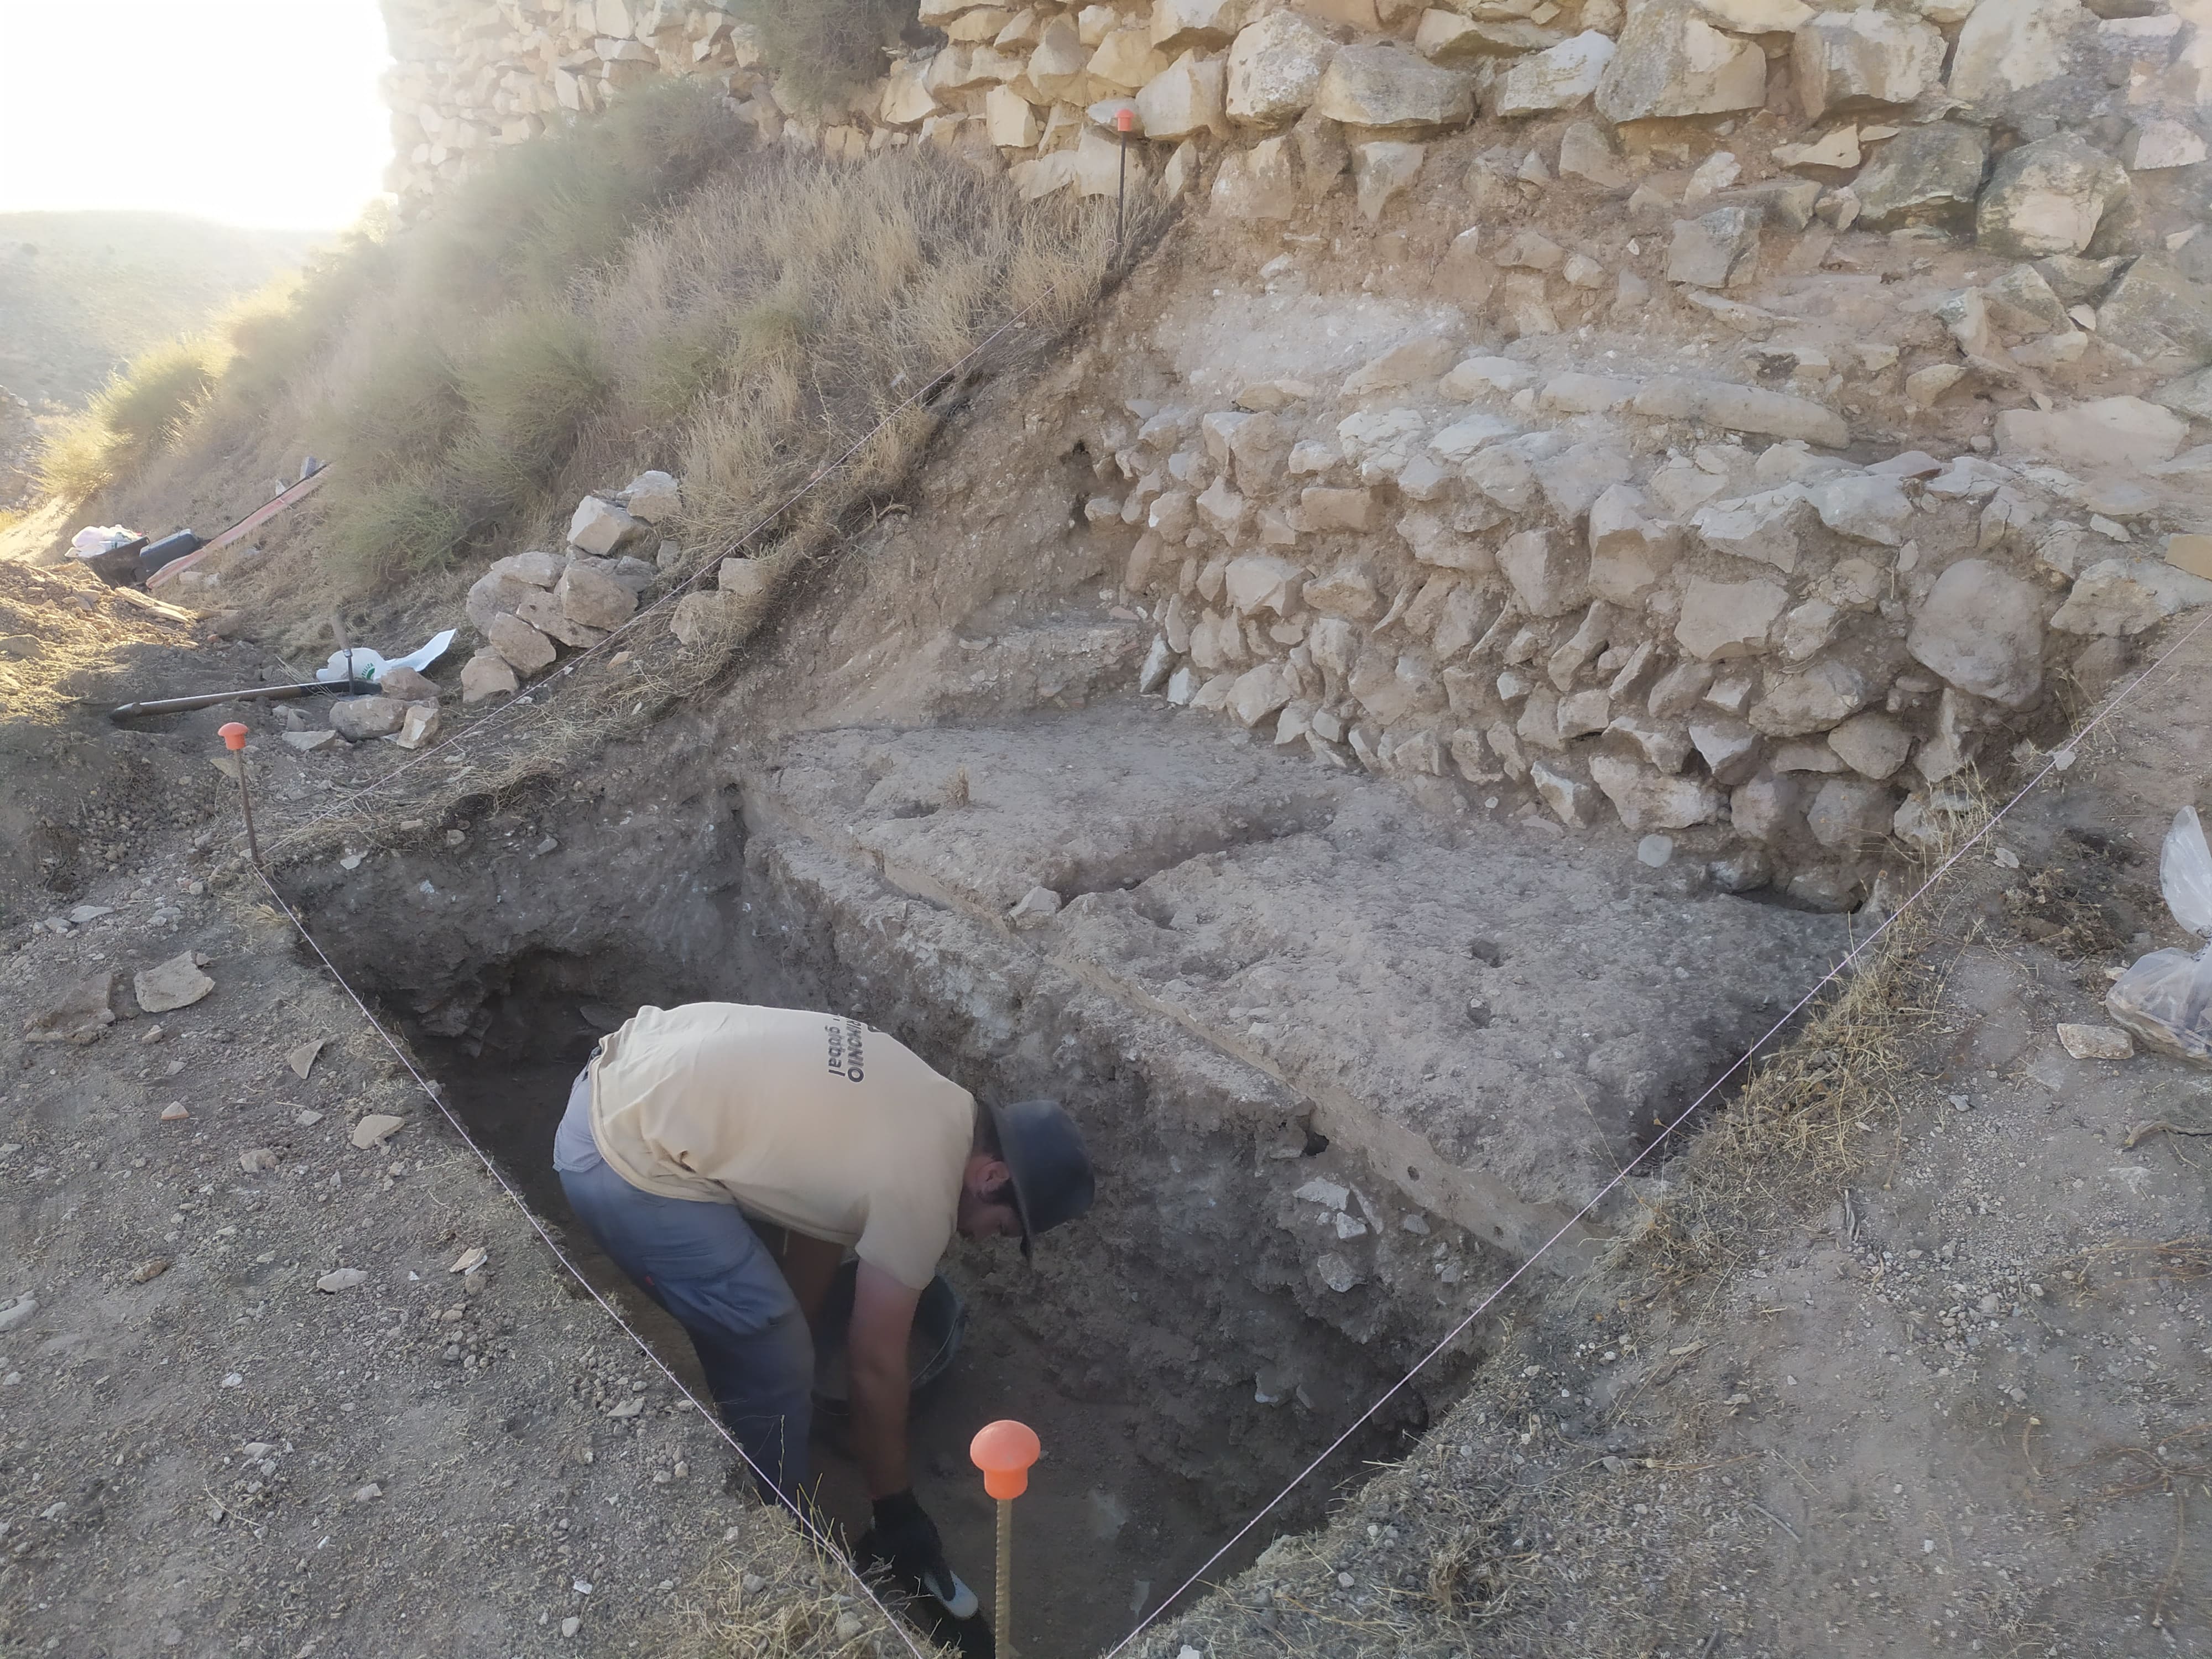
(537, 376)
(380, 528)
(148, 404)
(77, 459)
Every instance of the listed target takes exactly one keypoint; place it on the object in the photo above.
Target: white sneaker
(955, 1597)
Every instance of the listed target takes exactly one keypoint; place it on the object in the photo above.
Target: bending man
(689, 1120)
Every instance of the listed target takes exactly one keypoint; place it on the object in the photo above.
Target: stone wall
(1808, 401)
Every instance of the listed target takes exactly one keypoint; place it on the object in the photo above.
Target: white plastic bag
(2165, 999)
(93, 540)
(363, 663)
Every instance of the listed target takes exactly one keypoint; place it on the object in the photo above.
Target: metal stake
(1123, 120)
(1004, 1631)
(233, 738)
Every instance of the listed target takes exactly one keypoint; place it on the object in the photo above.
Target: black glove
(905, 1539)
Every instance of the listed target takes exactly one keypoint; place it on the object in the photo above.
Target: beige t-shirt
(815, 1123)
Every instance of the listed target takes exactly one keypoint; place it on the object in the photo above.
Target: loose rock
(176, 983)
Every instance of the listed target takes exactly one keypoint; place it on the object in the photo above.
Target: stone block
(1010, 119)
(1926, 175)
(1872, 744)
(1981, 629)
(1181, 25)
(1321, 510)
(1848, 813)
(595, 597)
(1380, 170)
(1850, 60)
(1742, 409)
(358, 719)
(1765, 526)
(1672, 63)
(1722, 620)
(1587, 154)
(1184, 100)
(1563, 78)
(1797, 705)
(1864, 506)
(1256, 184)
(1386, 88)
(1262, 582)
(1715, 249)
(1275, 69)
(2008, 48)
(2157, 313)
(1630, 552)
(486, 675)
(600, 528)
(1550, 576)
(2114, 597)
(2048, 198)
(1647, 800)
(2108, 432)
(653, 497)
(526, 650)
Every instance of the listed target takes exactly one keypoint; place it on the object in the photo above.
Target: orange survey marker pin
(1004, 1451)
(234, 739)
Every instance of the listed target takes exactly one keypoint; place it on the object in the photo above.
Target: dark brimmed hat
(1043, 1147)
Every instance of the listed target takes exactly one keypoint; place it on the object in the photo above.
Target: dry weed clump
(1810, 1118)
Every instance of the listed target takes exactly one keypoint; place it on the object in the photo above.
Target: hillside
(1545, 691)
(81, 292)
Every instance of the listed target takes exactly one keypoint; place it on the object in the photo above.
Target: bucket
(940, 1320)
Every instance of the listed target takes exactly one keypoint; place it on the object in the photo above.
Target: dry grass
(140, 412)
(784, 341)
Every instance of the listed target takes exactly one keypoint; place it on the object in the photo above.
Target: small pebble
(367, 1494)
(174, 1112)
(571, 1625)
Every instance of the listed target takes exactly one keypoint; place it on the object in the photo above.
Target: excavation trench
(1159, 1346)
(1137, 1348)
(1338, 1069)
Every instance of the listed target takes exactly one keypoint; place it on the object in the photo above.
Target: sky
(260, 113)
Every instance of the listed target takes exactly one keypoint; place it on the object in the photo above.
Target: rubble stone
(1563, 78)
(1873, 745)
(1765, 526)
(1256, 184)
(1864, 506)
(2119, 597)
(1381, 169)
(1180, 24)
(526, 650)
(1549, 576)
(654, 497)
(2010, 47)
(1585, 153)
(1386, 88)
(1275, 68)
(1715, 249)
(1649, 799)
(1823, 695)
(486, 675)
(600, 528)
(595, 597)
(2048, 198)
(1184, 100)
(1982, 630)
(2108, 432)
(1630, 553)
(2156, 311)
(1848, 60)
(1929, 174)
(1846, 813)
(1721, 620)
(358, 719)
(1671, 62)
(1742, 408)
